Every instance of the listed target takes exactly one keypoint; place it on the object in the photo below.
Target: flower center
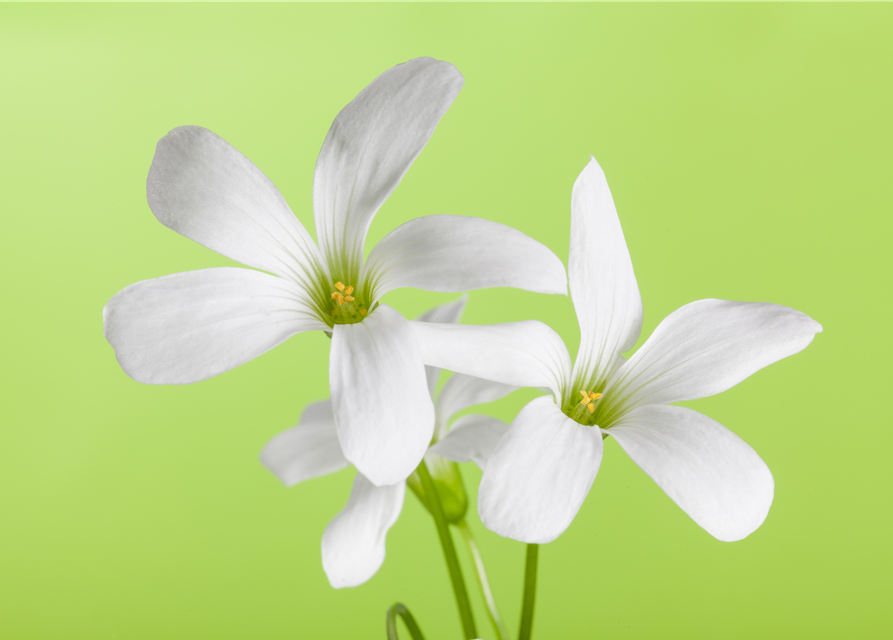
(345, 308)
(584, 411)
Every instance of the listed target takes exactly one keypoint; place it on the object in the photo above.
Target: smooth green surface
(748, 148)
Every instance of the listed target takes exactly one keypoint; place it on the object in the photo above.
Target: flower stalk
(529, 597)
(449, 552)
(400, 610)
(480, 573)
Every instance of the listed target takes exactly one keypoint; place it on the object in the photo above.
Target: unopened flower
(353, 545)
(190, 326)
(542, 469)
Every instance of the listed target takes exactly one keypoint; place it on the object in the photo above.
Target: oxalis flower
(353, 545)
(190, 326)
(542, 469)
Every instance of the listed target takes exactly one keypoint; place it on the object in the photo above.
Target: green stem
(449, 552)
(529, 592)
(408, 620)
(481, 574)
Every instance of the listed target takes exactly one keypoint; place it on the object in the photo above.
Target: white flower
(353, 545)
(190, 326)
(542, 469)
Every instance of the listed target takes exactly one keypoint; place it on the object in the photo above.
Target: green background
(748, 148)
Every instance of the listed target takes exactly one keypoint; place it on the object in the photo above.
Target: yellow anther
(362, 312)
(591, 407)
(594, 396)
(585, 397)
(348, 290)
(348, 298)
(339, 286)
(338, 298)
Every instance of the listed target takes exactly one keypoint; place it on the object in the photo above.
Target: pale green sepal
(450, 489)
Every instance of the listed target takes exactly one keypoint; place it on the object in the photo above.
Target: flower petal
(383, 411)
(602, 283)
(371, 144)
(449, 312)
(523, 354)
(353, 543)
(203, 188)
(711, 473)
(462, 391)
(708, 346)
(539, 474)
(308, 450)
(472, 437)
(190, 326)
(458, 253)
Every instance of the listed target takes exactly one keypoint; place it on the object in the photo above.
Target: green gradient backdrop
(748, 150)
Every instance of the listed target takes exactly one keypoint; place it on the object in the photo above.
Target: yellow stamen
(348, 298)
(348, 290)
(594, 396)
(339, 286)
(591, 407)
(585, 397)
(362, 312)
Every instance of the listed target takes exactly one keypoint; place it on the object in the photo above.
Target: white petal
(458, 253)
(204, 189)
(383, 410)
(472, 437)
(449, 312)
(190, 326)
(462, 391)
(523, 354)
(539, 474)
(711, 473)
(603, 285)
(707, 347)
(353, 543)
(308, 450)
(369, 147)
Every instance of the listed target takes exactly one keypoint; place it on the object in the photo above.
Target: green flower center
(347, 306)
(584, 410)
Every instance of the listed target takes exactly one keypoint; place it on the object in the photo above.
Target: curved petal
(706, 347)
(449, 312)
(602, 283)
(190, 326)
(383, 411)
(462, 391)
(308, 450)
(472, 437)
(539, 474)
(523, 354)
(458, 253)
(370, 145)
(353, 543)
(711, 473)
(203, 188)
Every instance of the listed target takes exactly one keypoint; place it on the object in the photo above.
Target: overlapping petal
(190, 326)
(539, 474)
(707, 347)
(473, 437)
(449, 312)
(462, 391)
(457, 253)
(203, 188)
(602, 283)
(713, 475)
(308, 450)
(522, 354)
(370, 146)
(353, 545)
(382, 407)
